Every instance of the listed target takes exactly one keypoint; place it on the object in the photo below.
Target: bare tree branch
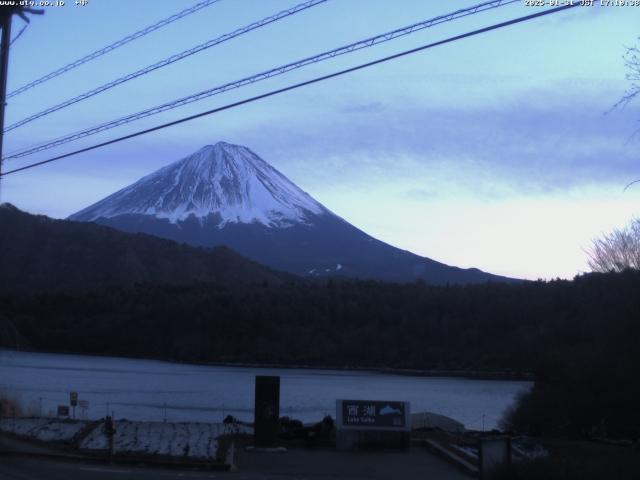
(630, 184)
(617, 251)
(632, 62)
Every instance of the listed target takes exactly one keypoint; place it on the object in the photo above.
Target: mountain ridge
(41, 253)
(225, 194)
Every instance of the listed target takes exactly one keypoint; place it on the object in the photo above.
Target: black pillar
(267, 411)
(4, 67)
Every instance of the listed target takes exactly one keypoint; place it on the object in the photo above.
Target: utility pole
(6, 14)
(4, 66)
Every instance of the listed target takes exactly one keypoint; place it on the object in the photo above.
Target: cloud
(547, 141)
(363, 108)
(420, 194)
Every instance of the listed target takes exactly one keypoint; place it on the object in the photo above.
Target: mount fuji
(225, 194)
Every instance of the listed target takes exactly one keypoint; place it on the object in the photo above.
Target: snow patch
(43, 429)
(192, 440)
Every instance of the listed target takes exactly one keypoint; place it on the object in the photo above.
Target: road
(26, 468)
(292, 465)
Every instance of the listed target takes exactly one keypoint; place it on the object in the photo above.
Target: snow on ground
(96, 440)
(472, 452)
(528, 448)
(43, 429)
(193, 440)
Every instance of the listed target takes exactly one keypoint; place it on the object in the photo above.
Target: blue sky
(493, 152)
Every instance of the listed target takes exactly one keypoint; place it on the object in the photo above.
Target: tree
(632, 62)
(618, 250)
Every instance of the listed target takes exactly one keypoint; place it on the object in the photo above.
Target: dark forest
(579, 338)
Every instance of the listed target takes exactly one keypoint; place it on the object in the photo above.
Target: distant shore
(505, 375)
(470, 374)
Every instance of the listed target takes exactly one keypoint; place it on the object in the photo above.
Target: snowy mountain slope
(228, 180)
(226, 195)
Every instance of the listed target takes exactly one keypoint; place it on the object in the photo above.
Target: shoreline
(503, 375)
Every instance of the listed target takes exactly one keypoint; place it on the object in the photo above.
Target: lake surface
(153, 390)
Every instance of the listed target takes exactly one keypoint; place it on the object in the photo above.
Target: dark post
(73, 401)
(4, 67)
(267, 411)
(494, 452)
(6, 13)
(110, 431)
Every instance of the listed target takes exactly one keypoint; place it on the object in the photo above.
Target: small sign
(73, 399)
(369, 423)
(83, 403)
(63, 410)
(373, 413)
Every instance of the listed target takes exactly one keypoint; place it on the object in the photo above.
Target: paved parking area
(298, 464)
(328, 464)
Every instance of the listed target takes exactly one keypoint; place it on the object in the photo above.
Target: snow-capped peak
(225, 180)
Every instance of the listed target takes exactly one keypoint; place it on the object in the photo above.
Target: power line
(368, 42)
(114, 45)
(299, 85)
(168, 61)
(19, 33)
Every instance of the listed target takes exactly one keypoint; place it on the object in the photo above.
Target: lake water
(154, 390)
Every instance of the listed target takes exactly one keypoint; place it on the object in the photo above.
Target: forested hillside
(43, 254)
(492, 326)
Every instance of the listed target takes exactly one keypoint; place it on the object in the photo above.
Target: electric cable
(113, 46)
(298, 85)
(366, 43)
(18, 35)
(167, 61)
